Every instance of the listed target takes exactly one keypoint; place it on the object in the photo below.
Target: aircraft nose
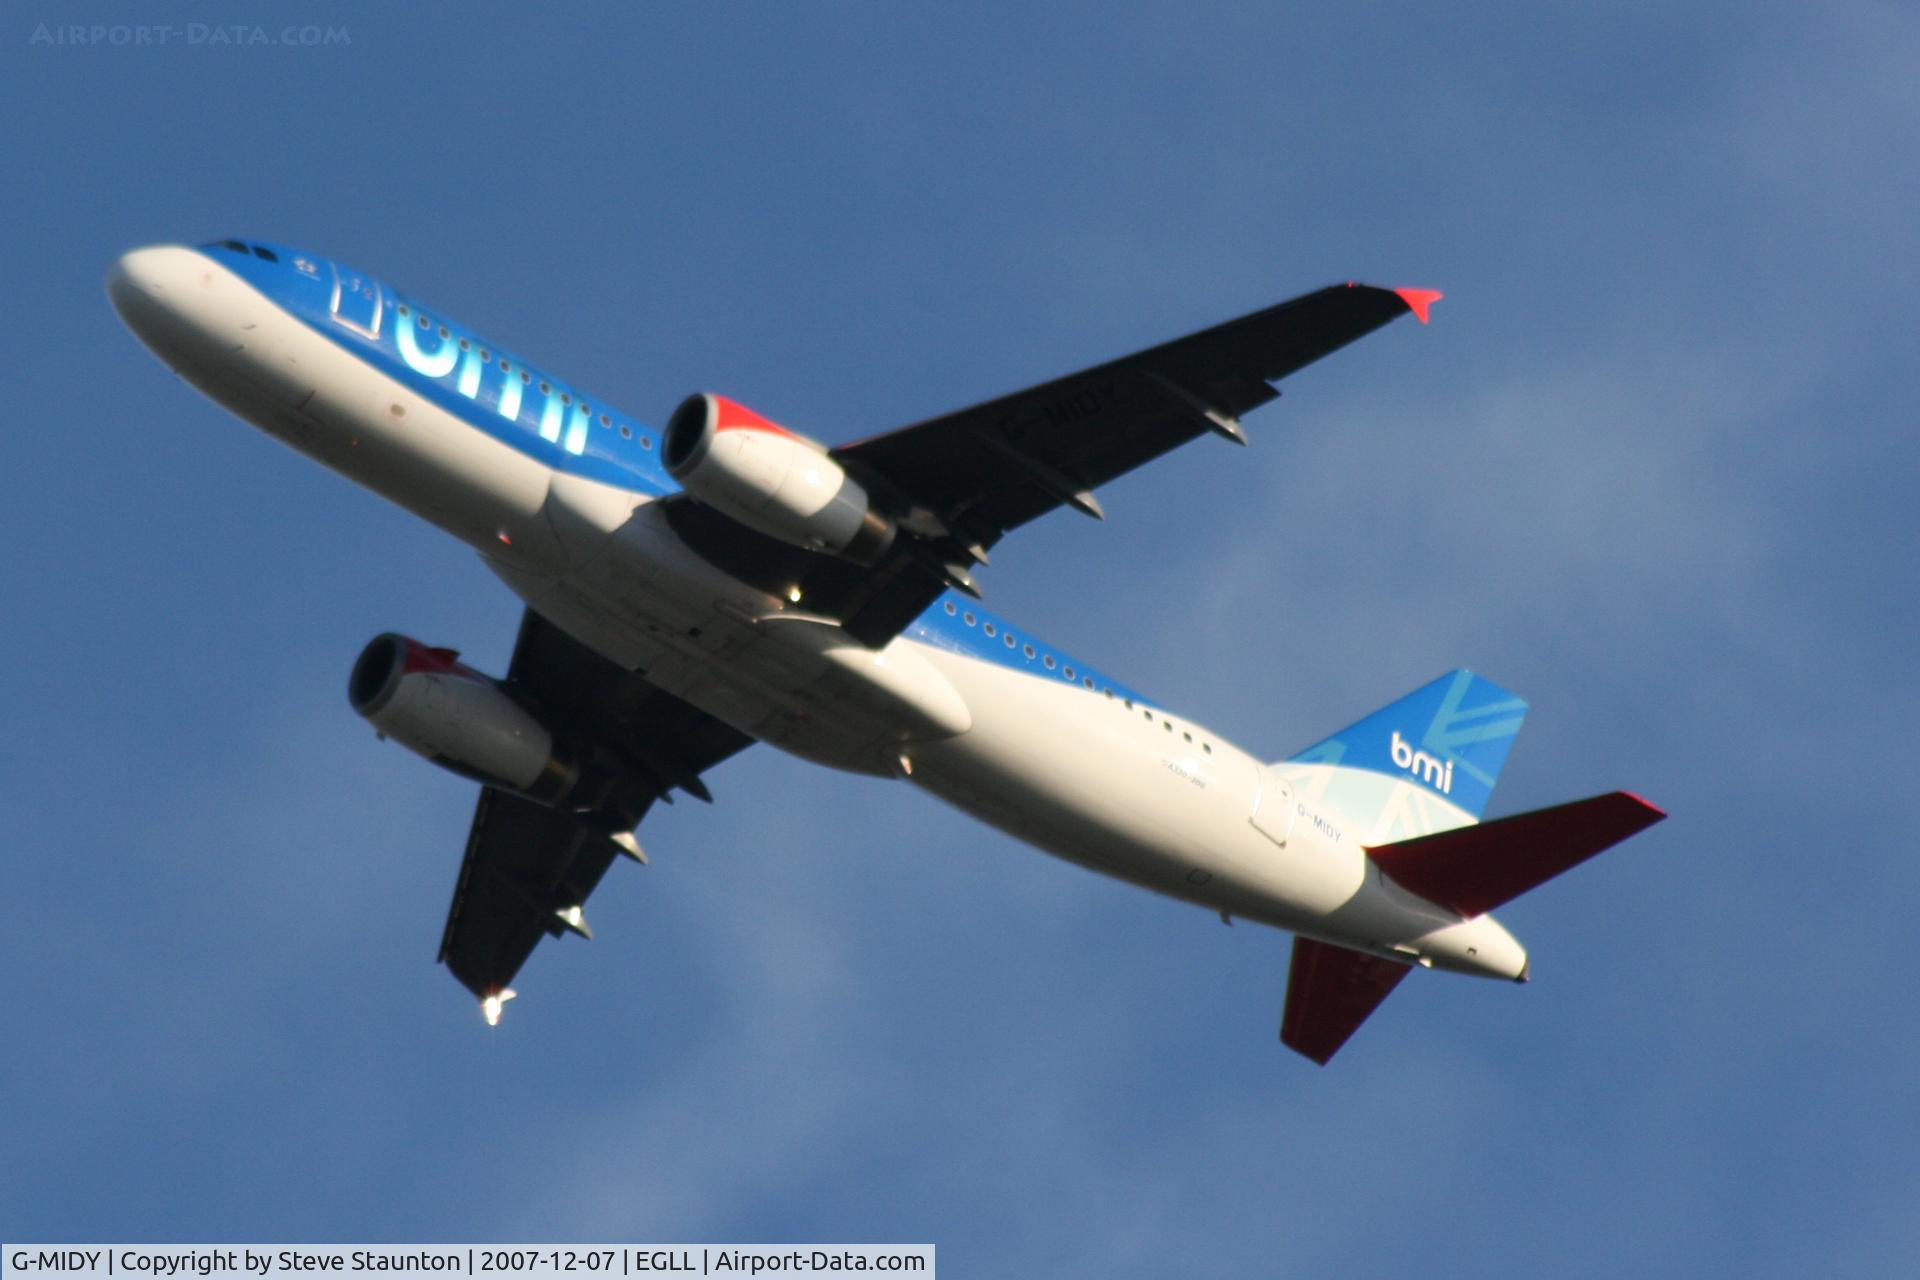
(144, 276)
(172, 299)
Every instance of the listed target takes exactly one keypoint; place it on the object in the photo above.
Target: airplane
(726, 580)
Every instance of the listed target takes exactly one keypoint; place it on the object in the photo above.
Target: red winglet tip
(1419, 300)
(1657, 812)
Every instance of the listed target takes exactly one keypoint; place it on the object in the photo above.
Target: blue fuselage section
(556, 424)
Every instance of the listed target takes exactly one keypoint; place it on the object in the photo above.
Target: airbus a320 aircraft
(726, 580)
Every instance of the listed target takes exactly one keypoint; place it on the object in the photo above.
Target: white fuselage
(1113, 784)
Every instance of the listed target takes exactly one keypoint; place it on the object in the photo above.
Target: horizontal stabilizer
(1330, 992)
(1472, 870)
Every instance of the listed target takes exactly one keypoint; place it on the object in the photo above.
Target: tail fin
(1445, 742)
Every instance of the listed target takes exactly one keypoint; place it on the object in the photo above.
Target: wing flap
(1330, 991)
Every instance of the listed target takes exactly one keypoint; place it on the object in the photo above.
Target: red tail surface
(1472, 870)
(1330, 992)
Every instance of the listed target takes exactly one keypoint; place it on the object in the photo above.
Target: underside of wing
(529, 868)
(960, 482)
(527, 874)
(1330, 992)
(995, 466)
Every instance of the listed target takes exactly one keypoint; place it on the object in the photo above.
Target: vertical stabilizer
(1423, 764)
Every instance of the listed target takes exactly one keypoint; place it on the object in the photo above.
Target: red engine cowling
(771, 480)
(429, 702)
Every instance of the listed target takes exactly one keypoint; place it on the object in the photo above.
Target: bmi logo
(1423, 766)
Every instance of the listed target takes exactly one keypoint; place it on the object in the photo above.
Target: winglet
(490, 1005)
(1419, 300)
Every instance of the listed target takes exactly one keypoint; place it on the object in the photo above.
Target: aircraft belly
(409, 450)
(644, 600)
(1079, 776)
(294, 384)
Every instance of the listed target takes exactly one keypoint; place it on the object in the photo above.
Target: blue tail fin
(1449, 738)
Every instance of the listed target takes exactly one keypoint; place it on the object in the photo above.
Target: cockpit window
(242, 248)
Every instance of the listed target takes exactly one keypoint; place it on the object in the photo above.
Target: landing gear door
(357, 303)
(1273, 808)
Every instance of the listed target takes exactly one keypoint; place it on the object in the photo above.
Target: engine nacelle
(429, 702)
(771, 480)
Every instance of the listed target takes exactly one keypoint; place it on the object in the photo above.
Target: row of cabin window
(971, 620)
(626, 432)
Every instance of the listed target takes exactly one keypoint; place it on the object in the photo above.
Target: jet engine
(772, 481)
(430, 702)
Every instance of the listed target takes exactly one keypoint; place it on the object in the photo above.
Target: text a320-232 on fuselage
(723, 580)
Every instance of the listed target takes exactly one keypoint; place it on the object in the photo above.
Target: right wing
(993, 467)
(963, 480)
(528, 868)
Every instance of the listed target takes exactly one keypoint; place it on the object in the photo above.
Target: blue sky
(1651, 466)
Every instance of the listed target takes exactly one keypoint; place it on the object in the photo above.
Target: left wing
(960, 482)
(528, 868)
